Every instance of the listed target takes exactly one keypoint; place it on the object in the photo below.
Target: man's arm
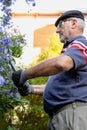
(50, 67)
(46, 68)
(38, 89)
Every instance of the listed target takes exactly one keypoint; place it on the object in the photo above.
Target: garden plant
(11, 45)
(12, 104)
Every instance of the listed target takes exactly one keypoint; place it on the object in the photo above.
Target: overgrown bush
(36, 118)
(16, 112)
(53, 50)
(11, 44)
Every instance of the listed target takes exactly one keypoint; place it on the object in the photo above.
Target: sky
(50, 5)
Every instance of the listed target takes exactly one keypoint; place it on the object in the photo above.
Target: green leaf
(10, 128)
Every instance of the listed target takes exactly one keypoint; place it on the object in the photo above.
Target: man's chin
(62, 40)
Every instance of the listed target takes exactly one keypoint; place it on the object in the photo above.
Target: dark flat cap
(68, 14)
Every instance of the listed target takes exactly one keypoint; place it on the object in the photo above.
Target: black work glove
(19, 77)
(20, 80)
(25, 89)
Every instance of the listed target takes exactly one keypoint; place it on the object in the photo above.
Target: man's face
(64, 29)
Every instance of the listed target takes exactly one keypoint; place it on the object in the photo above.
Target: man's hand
(25, 89)
(20, 80)
(19, 77)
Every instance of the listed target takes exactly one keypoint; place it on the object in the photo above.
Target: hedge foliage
(31, 116)
(36, 118)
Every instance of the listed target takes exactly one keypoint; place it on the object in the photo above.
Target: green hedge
(33, 117)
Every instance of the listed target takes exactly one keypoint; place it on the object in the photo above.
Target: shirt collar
(72, 39)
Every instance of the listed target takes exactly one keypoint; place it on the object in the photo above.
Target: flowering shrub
(11, 45)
